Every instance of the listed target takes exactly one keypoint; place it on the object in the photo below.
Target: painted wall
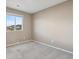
(19, 36)
(55, 25)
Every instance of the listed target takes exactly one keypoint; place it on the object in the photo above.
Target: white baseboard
(40, 43)
(54, 47)
(19, 43)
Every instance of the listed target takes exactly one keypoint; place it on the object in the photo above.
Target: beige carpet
(33, 50)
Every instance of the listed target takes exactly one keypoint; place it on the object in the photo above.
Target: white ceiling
(32, 6)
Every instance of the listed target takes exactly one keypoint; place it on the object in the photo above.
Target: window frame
(12, 14)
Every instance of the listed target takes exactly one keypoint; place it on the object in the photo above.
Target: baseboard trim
(40, 43)
(54, 47)
(19, 43)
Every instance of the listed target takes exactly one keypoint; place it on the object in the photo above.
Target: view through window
(14, 23)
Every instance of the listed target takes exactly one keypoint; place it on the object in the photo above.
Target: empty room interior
(39, 29)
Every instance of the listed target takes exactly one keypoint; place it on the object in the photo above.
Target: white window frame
(12, 14)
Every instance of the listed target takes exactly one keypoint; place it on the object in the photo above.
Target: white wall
(55, 24)
(18, 36)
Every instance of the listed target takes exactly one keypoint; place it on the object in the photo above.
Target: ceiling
(32, 6)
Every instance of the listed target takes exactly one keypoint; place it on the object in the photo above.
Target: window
(14, 23)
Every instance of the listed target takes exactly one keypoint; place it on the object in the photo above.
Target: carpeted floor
(33, 50)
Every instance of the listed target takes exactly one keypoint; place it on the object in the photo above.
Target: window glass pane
(18, 23)
(10, 22)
